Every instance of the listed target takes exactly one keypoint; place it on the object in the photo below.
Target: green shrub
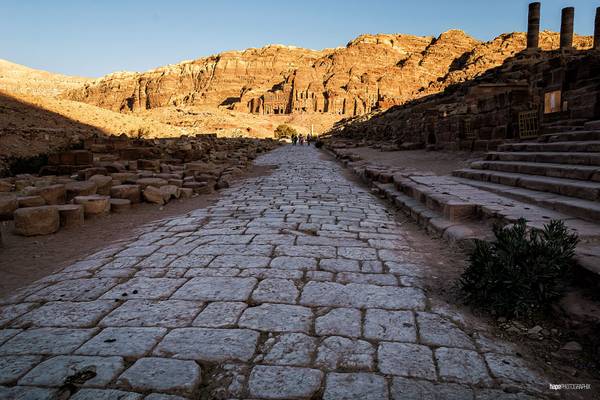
(284, 131)
(520, 273)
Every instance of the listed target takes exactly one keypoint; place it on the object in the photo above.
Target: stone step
(584, 209)
(491, 207)
(574, 136)
(560, 128)
(462, 233)
(570, 146)
(580, 158)
(578, 172)
(592, 125)
(566, 187)
(451, 207)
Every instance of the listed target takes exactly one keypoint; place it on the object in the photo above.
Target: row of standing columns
(566, 27)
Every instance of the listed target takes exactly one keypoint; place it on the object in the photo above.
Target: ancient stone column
(597, 30)
(533, 26)
(566, 28)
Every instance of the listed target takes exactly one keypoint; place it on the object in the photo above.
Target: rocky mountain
(19, 79)
(370, 72)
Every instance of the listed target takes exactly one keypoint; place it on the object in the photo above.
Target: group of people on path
(299, 139)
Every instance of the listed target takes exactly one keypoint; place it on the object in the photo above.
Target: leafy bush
(319, 144)
(284, 131)
(521, 273)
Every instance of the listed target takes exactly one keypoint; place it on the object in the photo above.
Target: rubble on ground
(109, 174)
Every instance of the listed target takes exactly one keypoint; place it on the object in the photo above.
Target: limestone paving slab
(274, 382)
(74, 290)
(220, 314)
(206, 344)
(275, 291)
(6, 334)
(12, 311)
(265, 273)
(240, 261)
(403, 388)
(14, 367)
(340, 352)
(216, 289)
(126, 342)
(46, 341)
(353, 386)
(339, 322)
(398, 326)
(339, 265)
(145, 288)
(105, 394)
(163, 313)
(288, 349)
(27, 393)
(300, 263)
(66, 314)
(436, 330)
(362, 296)
(54, 371)
(406, 359)
(461, 366)
(277, 318)
(162, 375)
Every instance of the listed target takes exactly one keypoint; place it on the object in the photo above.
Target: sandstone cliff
(370, 72)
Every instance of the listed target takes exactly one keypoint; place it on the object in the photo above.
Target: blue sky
(93, 38)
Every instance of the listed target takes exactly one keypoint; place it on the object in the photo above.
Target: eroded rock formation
(372, 71)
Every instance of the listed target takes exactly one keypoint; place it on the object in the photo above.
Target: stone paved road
(296, 285)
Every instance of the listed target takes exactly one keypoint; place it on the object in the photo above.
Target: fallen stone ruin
(110, 174)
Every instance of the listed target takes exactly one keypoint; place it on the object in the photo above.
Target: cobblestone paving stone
(300, 284)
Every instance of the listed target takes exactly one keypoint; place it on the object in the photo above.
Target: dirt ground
(438, 162)
(24, 260)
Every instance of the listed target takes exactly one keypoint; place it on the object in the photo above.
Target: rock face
(481, 112)
(372, 71)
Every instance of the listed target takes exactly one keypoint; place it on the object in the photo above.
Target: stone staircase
(558, 172)
(555, 177)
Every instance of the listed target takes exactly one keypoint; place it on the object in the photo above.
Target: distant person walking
(294, 139)
(308, 139)
(301, 138)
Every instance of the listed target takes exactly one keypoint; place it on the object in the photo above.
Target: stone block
(53, 194)
(32, 221)
(8, 204)
(94, 205)
(120, 205)
(29, 201)
(71, 215)
(127, 192)
(103, 184)
(80, 188)
(154, 195)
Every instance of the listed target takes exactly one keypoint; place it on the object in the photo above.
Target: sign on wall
(552, 102)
